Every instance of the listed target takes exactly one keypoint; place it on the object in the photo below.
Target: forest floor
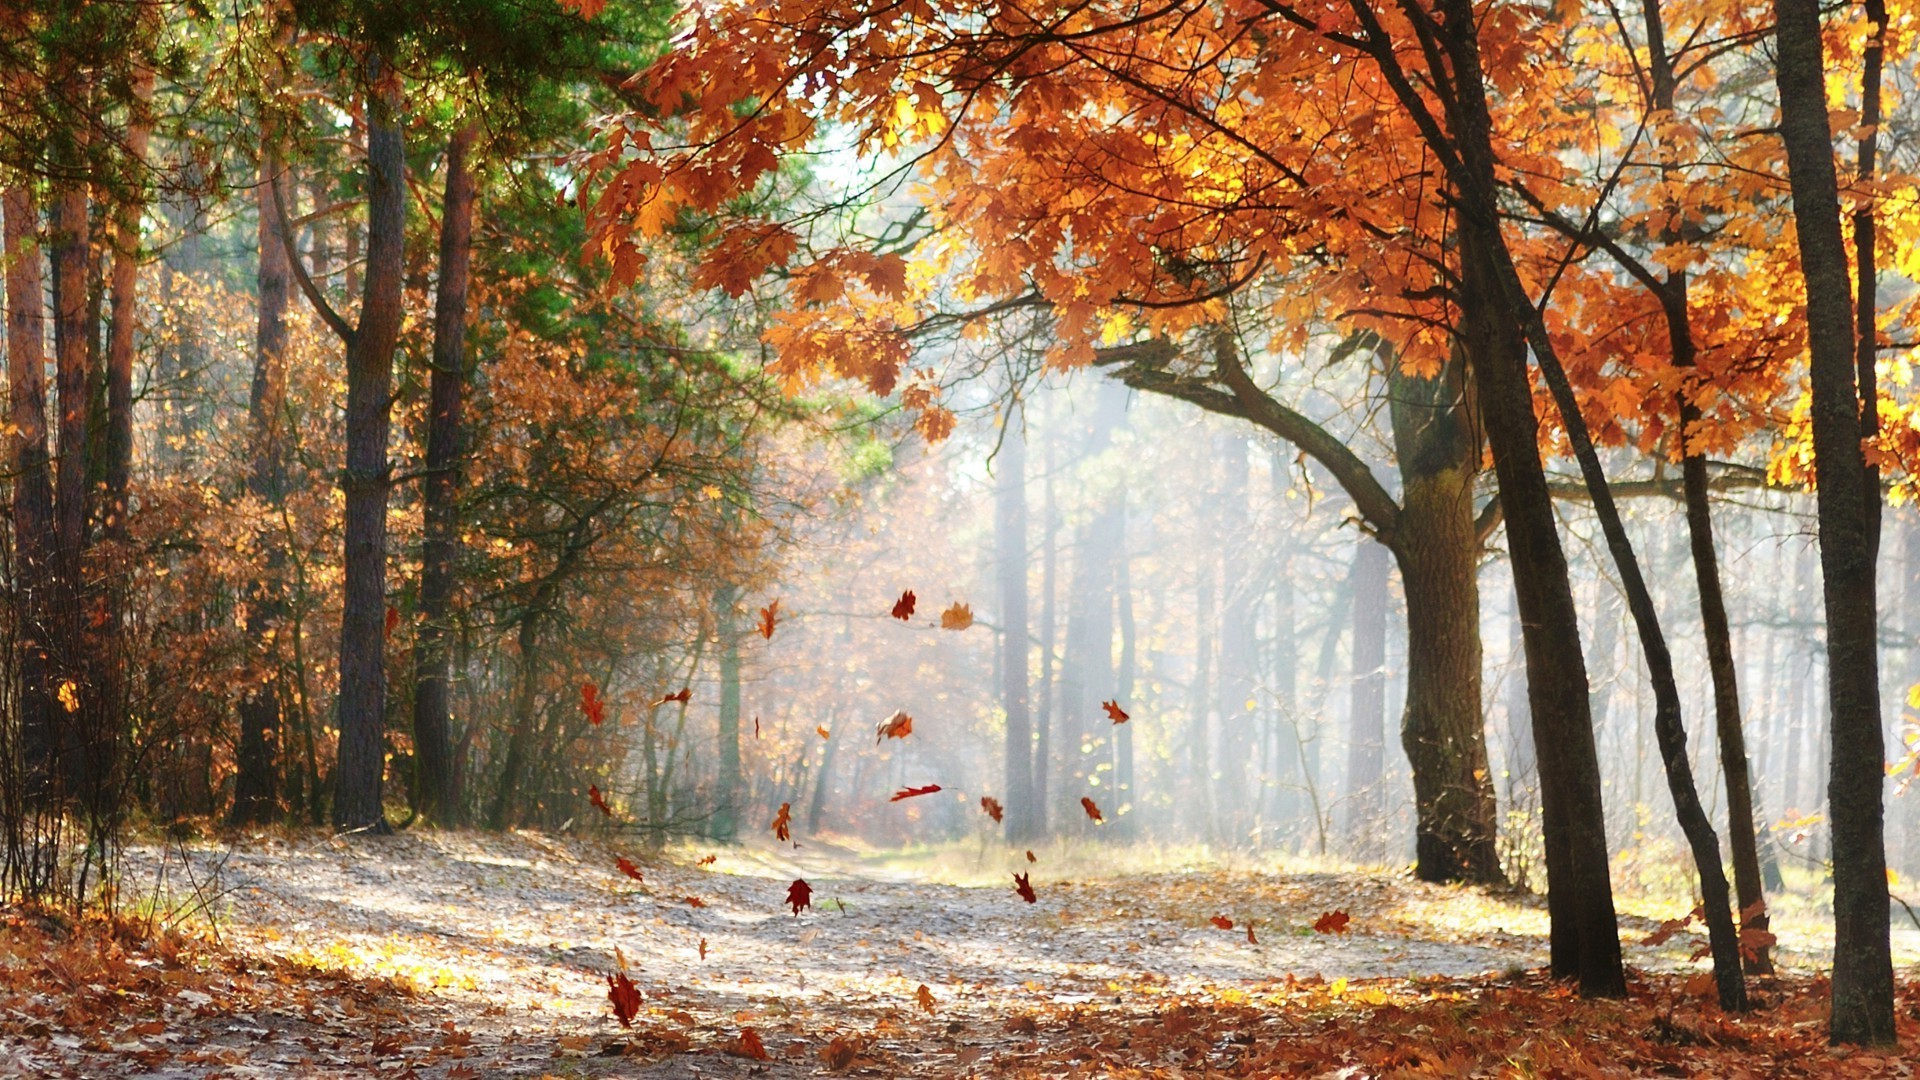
(463, 955)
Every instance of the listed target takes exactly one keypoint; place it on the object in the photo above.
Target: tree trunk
(1862, 1008)
(361, 771)
(1010, 542)
(726, 800)
(436, 774)
(526, 698)
(1235, 687)
(80, 768)
(33, 484)
(1367, 715)
(1124, 806)
(1049, 574)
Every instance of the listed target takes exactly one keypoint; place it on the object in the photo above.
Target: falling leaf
(756, 726)
(684, 695)
(1030, 857)
(592, 705)
(903, 607)
(693, 901)
(703, 948)
(799, 895)
(709, 860)
(625, 997)
(1251, 940)
(1092, 810)
(1666, 930)
(992, 807)
(838, 1054)
(1222, 922)
(957, 617)
(1024, 887)
(910, 792)
(393, 620)
(768, 615)
(626, 867)
(599, 802)
(821, 730)
(748, 1045)
(1331, 922)
(69, 695)
(782, 822)
(1115, 712)
(924, 997)
(897, 726)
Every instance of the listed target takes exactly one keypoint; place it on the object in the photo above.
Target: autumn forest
(1107, 538)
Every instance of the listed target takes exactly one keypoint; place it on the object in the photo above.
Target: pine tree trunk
(436, 772)
(32, 480)
(1862, 1007)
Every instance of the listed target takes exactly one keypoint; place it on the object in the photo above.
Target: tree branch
(325, 310)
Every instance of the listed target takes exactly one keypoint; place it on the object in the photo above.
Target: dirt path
(457, 955)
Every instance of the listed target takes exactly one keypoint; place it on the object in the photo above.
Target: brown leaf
(693, 901)
(708, 860)
(1093, 811)
(626, 867)
(1115, 712)
(1222, 922)
(703, 948)
(957, 617)
(903, 607)
(897, 726)
(782, 822)
(1251, 940)
(924, 997)
(1024, 887)
(821, 730)
(768, 615)
(1331, 922)
(625, 997)
(993, 808)
(799, 895)
(839, 1053)
(748, 1045)
(1030, 857)
(683, 695)
(911, 792)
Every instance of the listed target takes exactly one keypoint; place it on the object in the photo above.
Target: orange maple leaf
(903, 607)
(1222, 922)
(821, 730)
(1024, 887)
(626, 867)
(1331, 922)
(910, 792)
(625, 997)
(599, 802)
(957, 617)
(799, 895)
(782, 821)
(992, 807)
(768, 615)
(1115, 712)
(924, 998)
(1093, 811)
(897, 726)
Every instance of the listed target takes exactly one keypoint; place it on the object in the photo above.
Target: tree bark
(32, 477)
(1862, 1005)
(1010, 542)
(727, 793)
(1123, 774)
(361, 770)
(436, 773)
(1367, 714)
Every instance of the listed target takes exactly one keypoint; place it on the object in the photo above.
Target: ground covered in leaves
(461, 956)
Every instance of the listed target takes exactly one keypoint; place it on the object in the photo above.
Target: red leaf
(393, 620)
(1115, 712)
(684, 695)
(748, 1045)
(908, 793)
(782, 821)
(1092, 810)
(1024, 887)
(1331, 922)
(626, 867)
(903, 607)
(1251, 940)
(625, 997)
(821, 730)
(768, 615)
(992, 807)
(693, 901)
(897, 726)
(592, 705)
(1222, 922)
(599, 802)
(709, 860)
(799, 895)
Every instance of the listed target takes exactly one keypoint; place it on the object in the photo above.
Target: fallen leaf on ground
(748, 1045)
(839, 1053)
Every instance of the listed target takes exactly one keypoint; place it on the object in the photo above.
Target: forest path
(438, 952)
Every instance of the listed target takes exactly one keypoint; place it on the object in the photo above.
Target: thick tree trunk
(436, 773)
(1010, 543)
(32, 477)
(1367, 714)
(361, 771)
(1862, 1009)
(80, 769)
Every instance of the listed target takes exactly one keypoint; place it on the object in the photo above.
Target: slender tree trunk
(1199, 697)
(1234, 688)
(727, 793)
(1367, 715)
(32, 478)
(526, 697)
(361, 771)
(1049, 583)
(1862, 1008)
(435, 776)
(1010, 542)
(1123, 774)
